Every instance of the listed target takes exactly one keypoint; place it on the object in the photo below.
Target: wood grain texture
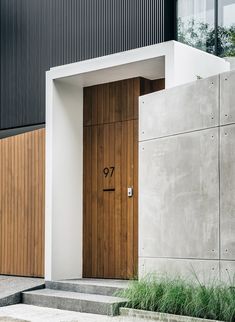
(149, 86)
(22, 204)
(111, 102)
(110, 218)
(116, 101)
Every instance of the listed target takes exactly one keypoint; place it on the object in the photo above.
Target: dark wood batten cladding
(22, 204)
(110, 216)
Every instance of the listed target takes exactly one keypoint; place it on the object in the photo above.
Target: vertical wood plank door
(110, 216)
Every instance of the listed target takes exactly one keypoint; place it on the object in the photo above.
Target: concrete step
(91, 286)
(74, 301)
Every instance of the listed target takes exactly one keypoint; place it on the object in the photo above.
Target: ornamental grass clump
(181, 297)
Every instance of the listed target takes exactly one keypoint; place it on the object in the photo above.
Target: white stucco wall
(231, 60)
(191, 62)
(64, 162)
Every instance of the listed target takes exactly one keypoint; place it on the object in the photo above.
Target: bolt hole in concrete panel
(205, 270)
(180, 109)
(227, 191)
(227, 271)
(227, 98)
(179, 196)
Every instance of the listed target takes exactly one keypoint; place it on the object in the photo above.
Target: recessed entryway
(175, 62)
(110, 169)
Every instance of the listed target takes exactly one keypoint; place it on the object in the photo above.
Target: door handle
(130, 192)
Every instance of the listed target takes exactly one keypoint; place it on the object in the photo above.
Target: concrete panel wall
(227, 188)
(187, 180)
(227, 269)
(227, 98)
(205, 270)
(180, 109)
(182, 202)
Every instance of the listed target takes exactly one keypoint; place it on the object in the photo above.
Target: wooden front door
(110, 215)
(110, 229)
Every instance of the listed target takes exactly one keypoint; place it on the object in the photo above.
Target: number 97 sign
(108, 172)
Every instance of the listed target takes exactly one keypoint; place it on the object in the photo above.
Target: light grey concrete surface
(42, 314)
(9, 319)
(179, 196)
(74, 301)
(227, 188)
(89, 285)
(187, 179)
(98, 282)
(227, 98)
(12, 286)
(205, 271)
(227, 272)
(179, 109)
(155, 316)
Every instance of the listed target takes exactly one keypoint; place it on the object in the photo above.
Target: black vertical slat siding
(38, 34)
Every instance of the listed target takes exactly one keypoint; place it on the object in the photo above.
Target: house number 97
(108, 171)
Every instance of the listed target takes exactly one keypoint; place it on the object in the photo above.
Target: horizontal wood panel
(111, 102)
(22, 204)
(149, 86)
(116, 101)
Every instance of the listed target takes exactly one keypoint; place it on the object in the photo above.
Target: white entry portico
(177, 63)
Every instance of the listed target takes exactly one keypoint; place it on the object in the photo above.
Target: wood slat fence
(22, 204)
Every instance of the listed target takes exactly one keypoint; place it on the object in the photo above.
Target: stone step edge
(108, 290)
(157, 316)
(92, 306)
(15, 297)
(62, 294)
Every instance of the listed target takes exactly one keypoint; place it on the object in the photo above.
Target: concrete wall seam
(187, 213)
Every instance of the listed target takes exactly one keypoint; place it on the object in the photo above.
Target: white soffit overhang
(174, 61)
(148, 62)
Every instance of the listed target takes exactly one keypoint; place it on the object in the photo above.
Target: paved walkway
(24, 312)
(11, 286)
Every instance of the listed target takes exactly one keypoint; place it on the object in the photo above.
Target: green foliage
(181, 297)
(202, 36)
